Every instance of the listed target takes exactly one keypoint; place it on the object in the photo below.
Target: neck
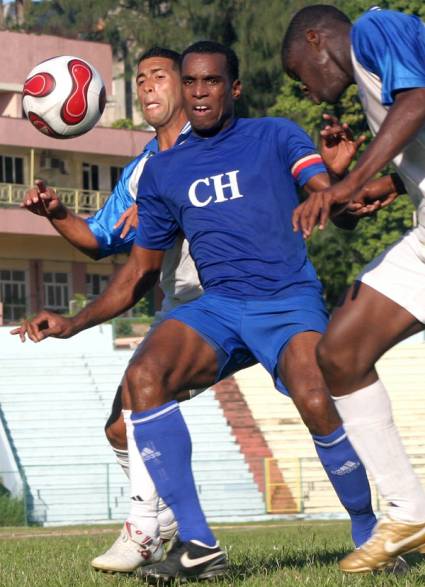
(344, 54)
(167, 135)
(211, 132)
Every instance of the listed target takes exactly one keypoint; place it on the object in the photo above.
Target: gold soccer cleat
(389, 540)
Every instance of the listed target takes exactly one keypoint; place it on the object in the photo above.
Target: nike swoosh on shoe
(189, 563)
(393, 547)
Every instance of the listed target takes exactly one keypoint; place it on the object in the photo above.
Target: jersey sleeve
(157, 228)
(102, 223)
(392, 46)
(303, 159)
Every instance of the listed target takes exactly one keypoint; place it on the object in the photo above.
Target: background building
(38, 268)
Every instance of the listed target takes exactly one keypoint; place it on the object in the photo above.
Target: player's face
(321, 78)
(159, 90)
(208, 92)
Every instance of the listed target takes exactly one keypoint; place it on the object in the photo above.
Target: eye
(140, 82)
(212, 81)
(187, 82)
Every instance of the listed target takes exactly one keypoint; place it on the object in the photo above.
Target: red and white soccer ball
(64, 97)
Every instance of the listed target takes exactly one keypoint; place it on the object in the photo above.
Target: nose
(199, 89)
(147, 86)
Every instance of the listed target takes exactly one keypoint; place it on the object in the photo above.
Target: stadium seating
(403, 371)
(55, 403)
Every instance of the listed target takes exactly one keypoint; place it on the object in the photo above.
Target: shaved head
(318, 17)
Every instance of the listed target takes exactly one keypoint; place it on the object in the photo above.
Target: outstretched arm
(404, 120)
(375, 195)
(125, 289)
(44, 201)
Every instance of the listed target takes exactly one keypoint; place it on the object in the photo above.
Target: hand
(338, 146)
(45, 324)
(317, 207)
(130, 220)
(42, 200)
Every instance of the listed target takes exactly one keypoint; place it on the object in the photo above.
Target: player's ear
(312, 37)
(236, 89)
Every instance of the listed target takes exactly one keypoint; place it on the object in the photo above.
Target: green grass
(293, 553)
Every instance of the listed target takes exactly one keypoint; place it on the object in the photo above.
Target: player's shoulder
(266, 126)
(377, 18)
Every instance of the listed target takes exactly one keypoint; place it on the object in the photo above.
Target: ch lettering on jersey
(224, 187)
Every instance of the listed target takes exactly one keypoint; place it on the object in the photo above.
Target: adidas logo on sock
(347, 467)
(148, 454)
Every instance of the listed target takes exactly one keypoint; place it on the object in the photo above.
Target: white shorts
(399, 274)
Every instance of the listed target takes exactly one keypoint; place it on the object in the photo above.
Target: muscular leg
(300, 373)
(174, 358)
(361, 330)
(148, 515)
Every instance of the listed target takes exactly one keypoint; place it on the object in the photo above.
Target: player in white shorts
(384, 54)
(159, 90)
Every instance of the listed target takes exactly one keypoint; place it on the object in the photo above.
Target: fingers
(21, 331)
(127, 227)
(360, 141)
(40, 185)
(130, 220)
(121, 219)
(389, 199)
(39, 328)
(314, 211)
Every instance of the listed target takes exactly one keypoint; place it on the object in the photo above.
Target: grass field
(288, 554)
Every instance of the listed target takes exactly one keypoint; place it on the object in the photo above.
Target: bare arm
(405, 118)
(44, 201)
(126, 288)
(341, 219)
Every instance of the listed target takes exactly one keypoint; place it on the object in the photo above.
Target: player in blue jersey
(231, 187)
(159, 92)
(383, 52)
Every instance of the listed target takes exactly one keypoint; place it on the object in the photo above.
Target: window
(115, 175)
(13, 294)
(90, 176)
(11, 169)
(56, 291)
(95, 284)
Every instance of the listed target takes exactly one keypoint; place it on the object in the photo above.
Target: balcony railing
(79, 200)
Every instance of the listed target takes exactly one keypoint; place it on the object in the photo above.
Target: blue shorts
(244, 332)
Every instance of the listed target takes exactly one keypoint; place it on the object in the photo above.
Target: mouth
(201, 109)
(152, 106)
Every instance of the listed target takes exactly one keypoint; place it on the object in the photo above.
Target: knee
(116, 433)
(145, 383)
(333, 360)
(315, 405)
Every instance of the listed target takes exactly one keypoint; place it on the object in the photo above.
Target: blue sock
(348, 477)
(164, 443)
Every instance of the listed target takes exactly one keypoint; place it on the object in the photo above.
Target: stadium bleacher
(55, 398)
(403, 371)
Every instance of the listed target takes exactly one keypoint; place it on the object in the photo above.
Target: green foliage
(123, 123)
(12, 510)
(122, 328)
(339, 255)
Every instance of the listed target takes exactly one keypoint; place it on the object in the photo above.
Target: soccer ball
(64, 97)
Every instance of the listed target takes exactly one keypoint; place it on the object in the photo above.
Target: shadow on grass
(253, 564)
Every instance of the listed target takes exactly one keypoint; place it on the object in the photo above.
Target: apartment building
(37, 267)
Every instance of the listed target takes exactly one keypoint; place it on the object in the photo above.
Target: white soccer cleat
(132, 549)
